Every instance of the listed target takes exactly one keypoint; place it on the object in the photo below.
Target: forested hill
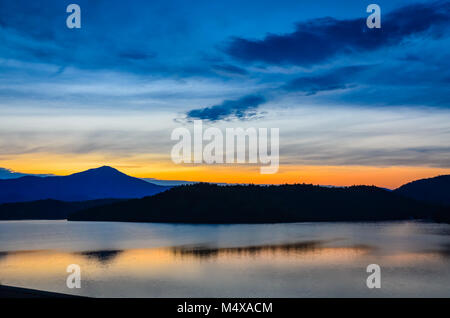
(432, 190)
(209, 203)
(47, 209)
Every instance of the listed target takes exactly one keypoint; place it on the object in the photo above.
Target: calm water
(279, 260)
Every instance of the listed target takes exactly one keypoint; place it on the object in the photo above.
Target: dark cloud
(243, 108)
(318, 40)
(229, 69)
(340, 78)
(135, 55)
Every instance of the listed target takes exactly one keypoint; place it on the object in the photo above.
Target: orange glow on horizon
(158, 167)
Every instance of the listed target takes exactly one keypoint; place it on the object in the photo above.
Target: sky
(353, 105)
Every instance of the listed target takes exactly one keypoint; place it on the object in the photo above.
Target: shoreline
(20, 292)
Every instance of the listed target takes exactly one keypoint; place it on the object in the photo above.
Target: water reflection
(442, 251)
(320, 248)
(103, 257)
(304, 247)
(303, 260)
(3, 255)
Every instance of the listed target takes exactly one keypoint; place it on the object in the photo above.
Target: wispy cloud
(340, 78)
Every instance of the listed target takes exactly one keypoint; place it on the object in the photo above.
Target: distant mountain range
(101, 183)
(211, 204)
(171, 183)
(10, 174)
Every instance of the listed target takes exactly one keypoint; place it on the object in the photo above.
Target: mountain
(433, 190)
(46, 209)
(101, 183)
(210, 203)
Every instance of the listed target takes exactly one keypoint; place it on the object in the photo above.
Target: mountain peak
(105, 168)
(99, 183)
(100, 171)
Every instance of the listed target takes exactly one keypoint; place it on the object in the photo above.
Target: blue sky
(344, 94)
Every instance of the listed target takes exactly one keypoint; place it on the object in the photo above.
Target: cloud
(136, 55)
(243, 108)
(340, 78)
(229, 70)
(430, 156)
(317, 41)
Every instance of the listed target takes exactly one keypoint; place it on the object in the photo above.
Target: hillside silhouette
(210, 203)
(46, 209)
(433, 190)
(100, 183)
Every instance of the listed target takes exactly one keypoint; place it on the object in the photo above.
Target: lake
(269, 260)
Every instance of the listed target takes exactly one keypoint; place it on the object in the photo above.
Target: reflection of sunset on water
(130, 262)
(294, 260)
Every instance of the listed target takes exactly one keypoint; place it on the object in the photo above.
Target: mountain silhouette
(433, 190)
(215, 204)
(100, 183)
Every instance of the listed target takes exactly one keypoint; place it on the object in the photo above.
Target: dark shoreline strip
(18, 292)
